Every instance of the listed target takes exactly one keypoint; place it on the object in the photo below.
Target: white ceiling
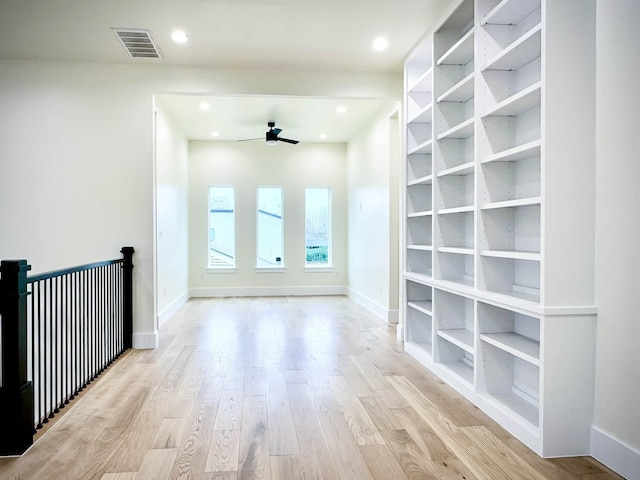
(328, 35)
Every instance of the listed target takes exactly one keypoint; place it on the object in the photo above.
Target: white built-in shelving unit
(498, 214)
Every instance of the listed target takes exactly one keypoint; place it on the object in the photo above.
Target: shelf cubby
(502, 133)
(510, 228)
(457, 268)
(456, 230)
(462, 130)
(419, 230)
(455, 319)
(518, 103)
(455, 191)
(420, 315)
(460, 53)
(514, 154)
(516, 181)
(419, 198)
(454, 152)
(512, 382)
(512, 277)
(419, 138)
(422, 115)
(419, 165)
(419, 262)
(461, 91)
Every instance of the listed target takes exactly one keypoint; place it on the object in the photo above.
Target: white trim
(389, 316)
(146, 340)
(615, 454)
(222, 270)
(204, 292)
(172, 308)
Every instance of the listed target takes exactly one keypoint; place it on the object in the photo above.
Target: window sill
(270, 269)
(222, 270)
(318, 269)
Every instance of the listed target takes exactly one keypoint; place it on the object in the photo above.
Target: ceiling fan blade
(250, 139)
(276, 130)
(286, 140)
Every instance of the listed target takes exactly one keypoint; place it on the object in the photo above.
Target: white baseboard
(389, 316)
(172, 308)
(146, 341)
(615, 454)
(266, 291)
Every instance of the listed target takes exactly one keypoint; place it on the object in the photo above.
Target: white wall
(76, 156)
(371, 233)
(616, 433)
(246, 166)
(172, 214)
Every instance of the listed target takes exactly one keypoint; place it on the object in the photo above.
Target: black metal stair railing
(58, 331)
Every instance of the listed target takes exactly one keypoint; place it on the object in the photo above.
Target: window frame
(277, 267)
(328, 265)
(221, 268)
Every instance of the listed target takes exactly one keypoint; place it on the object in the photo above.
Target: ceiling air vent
(138, 43)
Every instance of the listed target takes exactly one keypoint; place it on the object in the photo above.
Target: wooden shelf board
(424, 147)
(422, 116)
(462, 130)
(521, 202)
(516, 345)
(456, 284)
(448, 211)
(504, 296)
(460, 52)
(516, 255)
(461, 170)
(456, 250)
(519, 53)
(510, 12)
(459, 337)
(519, 103)
(424, 248)
(424, 213)
(460, 92)
(514, 154)
(424, 306)
(422, 83)
(524, 409)
(426, 180)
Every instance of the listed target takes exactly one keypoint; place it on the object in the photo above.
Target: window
(270, 228)
(317, 214)
(222, 230)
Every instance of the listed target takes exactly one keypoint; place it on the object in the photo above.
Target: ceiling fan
(272, 136)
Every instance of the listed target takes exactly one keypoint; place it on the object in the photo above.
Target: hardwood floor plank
(156, 464)
(119, 476)
(255, 381)
(170, 433)
(282, 433)
(349, 462)
(314, 452)
(381, 462)
(372, 375)
(254, 459)
(380, 414)
(412, 460)
(224, 451)
(229, 410)
(286, 467)
(192, 454)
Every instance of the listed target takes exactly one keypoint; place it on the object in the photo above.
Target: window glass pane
(270, 231)
(222, 230)
(318, 225)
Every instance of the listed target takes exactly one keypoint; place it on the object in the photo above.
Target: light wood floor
(279, 388)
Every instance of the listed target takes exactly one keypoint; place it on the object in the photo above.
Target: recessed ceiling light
(215, 134)
(179, 36)
(204, 106)
(323, 136)
(341, 109)
(380, 44)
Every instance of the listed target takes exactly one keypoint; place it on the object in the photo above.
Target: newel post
(127, 299)
(16, 392)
